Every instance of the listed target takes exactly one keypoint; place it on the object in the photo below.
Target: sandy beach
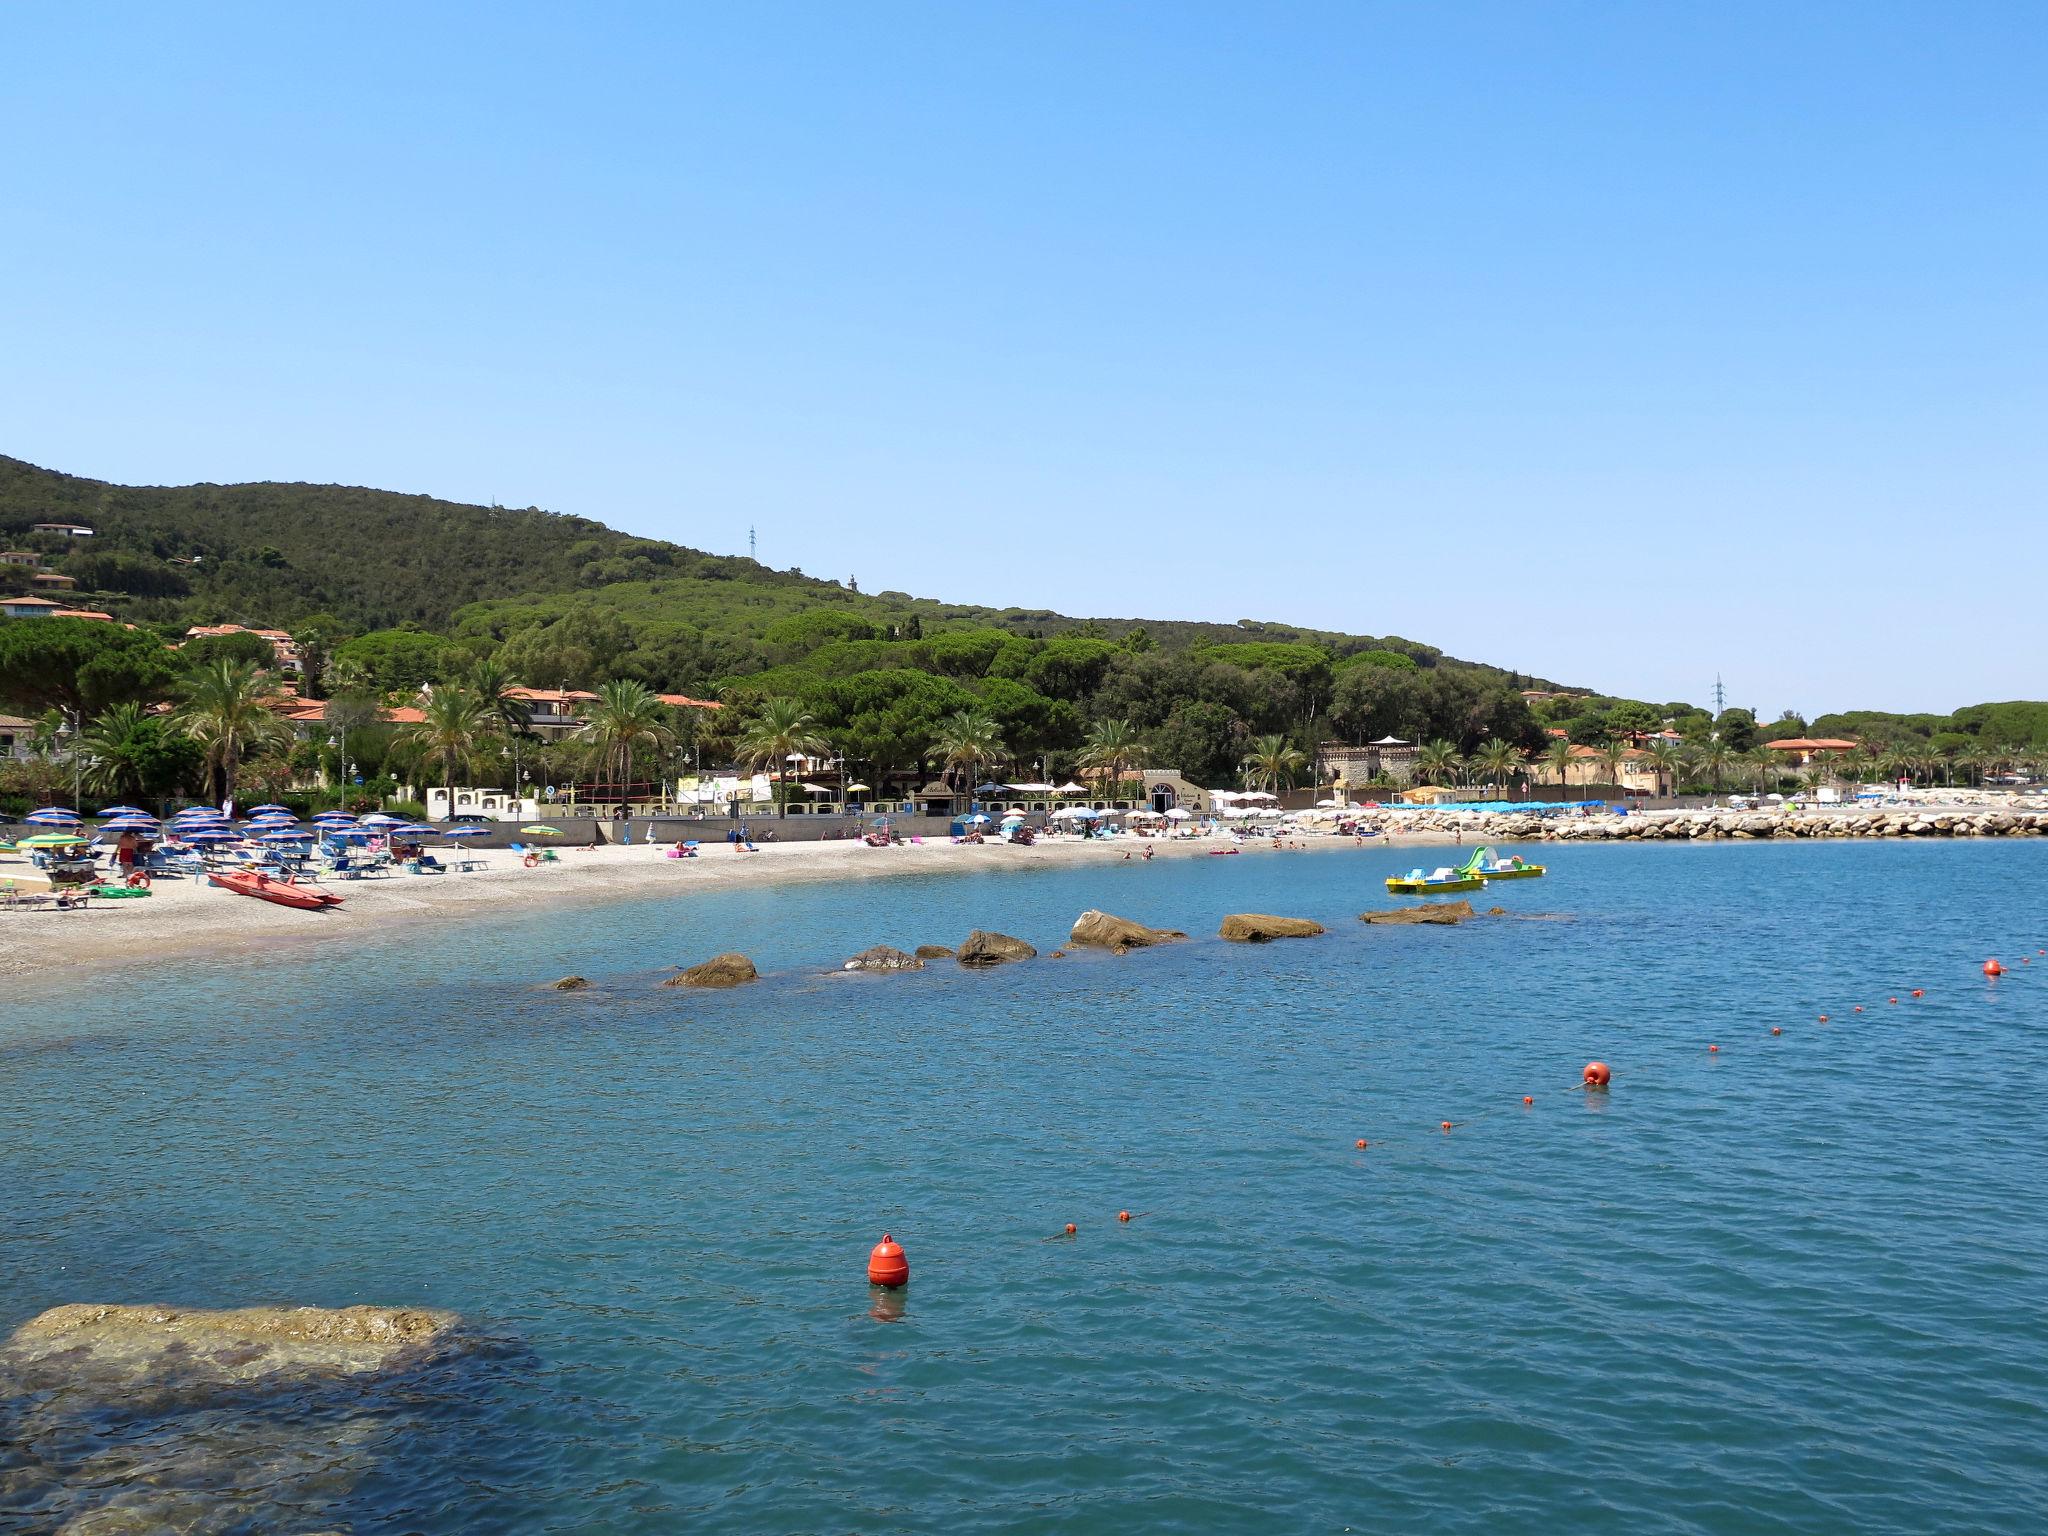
(184, 916)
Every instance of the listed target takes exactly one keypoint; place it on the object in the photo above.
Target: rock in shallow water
(1260, 927)
(568, 984)
(729, 970)
(984, 948)
(934, 952)
(1103, 930)
(883, 958)
(1435, 912)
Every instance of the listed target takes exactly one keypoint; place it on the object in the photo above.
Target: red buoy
(1070, 1229)
(1528, 1098)
(1776, 1031)
(1447, 1125)
(1597, 1075)
(1713, 1048)
(1918, 993)
(1993, 968)
(887, 1265)
(1823, 1018)
(1361, 1143)
(1859, 1007)
(1123, 1215)
(1891, 999)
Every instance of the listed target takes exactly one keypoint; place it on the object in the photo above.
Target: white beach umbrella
(1177, 814)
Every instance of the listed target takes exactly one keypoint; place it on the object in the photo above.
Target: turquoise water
(1792, 1286)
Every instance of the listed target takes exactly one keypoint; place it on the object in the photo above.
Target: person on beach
(124, 855)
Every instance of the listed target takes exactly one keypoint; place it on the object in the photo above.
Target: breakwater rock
(1689, 826)
(1444, 912)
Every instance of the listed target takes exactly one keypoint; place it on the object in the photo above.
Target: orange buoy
(1447, 1125)
(1776, 1031)
(1891, 1000)
(1597, 1075)
(1993, 968)
(1859, 1007)
(1823, 1018)
(1123, 1215)
(887, 1265)
(1713, 1048)
(1918, 993)
(1070, 1229)
(1528, 1098)
(1362, 1143)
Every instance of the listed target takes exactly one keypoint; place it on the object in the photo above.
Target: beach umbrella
(852, 787)
(379, 819)
(287, 836)
(1177, 814)
(258, 810)
(53, 816)
(543, 831)
(977, 816)
(211, 835)
(130, 824)
(123, 810)
(52, 840)
(465, 831)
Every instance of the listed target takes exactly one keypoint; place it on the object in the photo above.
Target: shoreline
(184, 915)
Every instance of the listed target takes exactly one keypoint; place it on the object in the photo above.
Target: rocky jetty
(883, 958)
(1103, 930)
(983, 948)
(1703, 825)
(729, 970)
(1263, 927)
(1444, 912)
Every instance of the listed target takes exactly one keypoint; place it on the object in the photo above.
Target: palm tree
(1112, 748)
(455, 721)
(1272, 763)
(626, 717)
(1435, 761)
(223, 711)
(1764, 766)
(1613, 755)
(780, 730)
(1711, 762)
(1558, 757)
(967, 740)
(1667, 760)
(1498, 760)
(113, 766)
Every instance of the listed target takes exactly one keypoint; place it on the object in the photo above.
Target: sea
(1788, 1273)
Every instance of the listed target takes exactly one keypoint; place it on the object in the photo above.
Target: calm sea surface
(1797, 1285)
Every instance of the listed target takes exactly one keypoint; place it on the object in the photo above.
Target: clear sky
(1622, 343)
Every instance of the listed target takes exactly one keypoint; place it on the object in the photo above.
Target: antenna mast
(751, 553)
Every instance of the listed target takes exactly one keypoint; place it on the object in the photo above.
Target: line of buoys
(887, 1265)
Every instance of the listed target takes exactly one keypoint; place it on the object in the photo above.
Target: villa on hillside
(20, 557)
(289, 657)
(15, 736)
(64, 530)
(28, 607)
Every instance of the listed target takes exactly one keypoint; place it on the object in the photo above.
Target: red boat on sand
(286, 893)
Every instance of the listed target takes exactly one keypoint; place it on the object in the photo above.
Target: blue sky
(1620, 343)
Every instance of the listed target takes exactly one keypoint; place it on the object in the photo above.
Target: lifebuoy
(530, 860)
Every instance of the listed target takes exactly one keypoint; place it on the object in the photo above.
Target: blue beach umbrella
(130, 824)
(465, 831)
(287, 836)
(257, 810)
(379, 819)
(53, 816)
(211, 835)
(123, 810)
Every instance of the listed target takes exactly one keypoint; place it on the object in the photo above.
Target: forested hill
(277, 554)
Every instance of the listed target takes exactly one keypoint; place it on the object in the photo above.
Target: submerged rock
(883, 958)
(1261, 927)
(983, 948)
(139, 1344)
(934, 952)
(729, 970)
(568, 984)
(1435, 912)
(1103, 930)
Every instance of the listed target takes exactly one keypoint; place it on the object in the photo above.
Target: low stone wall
(1684, 826)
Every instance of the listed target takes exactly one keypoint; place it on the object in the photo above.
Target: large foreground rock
(718, 971)
(1103, 930)
(883, 958)
(113, 1344)
(983, 948)
(1261, 927)
(1435, 912)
